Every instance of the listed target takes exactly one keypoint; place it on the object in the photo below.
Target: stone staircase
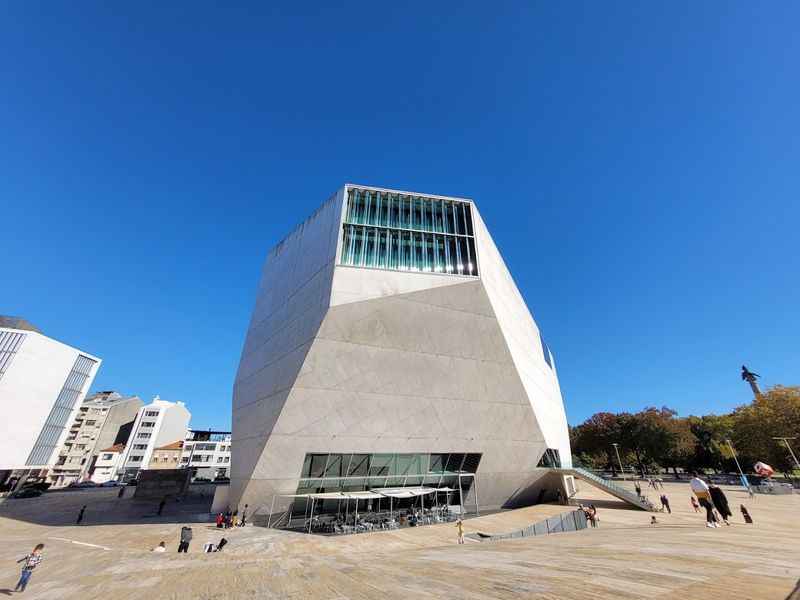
(609, 487)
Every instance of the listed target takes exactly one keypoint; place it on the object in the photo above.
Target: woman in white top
(700, 489)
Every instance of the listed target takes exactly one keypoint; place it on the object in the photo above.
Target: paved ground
(624, 558)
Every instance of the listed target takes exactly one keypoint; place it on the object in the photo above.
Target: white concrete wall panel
(34, 380)
(524, 342)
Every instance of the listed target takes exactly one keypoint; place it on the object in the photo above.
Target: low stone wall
(155, 484)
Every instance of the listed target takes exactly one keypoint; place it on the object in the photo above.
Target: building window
(108, 456)
(10, 341)
(148, 423)
(151, 413)
(550, 459)
(90, 423)
(136, 459)
(402, 232)
(227, 459)
(144, 436)
(546, 352)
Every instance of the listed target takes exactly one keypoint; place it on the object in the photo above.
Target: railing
(568, 521)
(613, 488)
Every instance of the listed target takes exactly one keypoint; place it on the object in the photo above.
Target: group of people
(714, 501)
(229, 519)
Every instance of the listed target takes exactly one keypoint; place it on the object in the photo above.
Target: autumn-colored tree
(774, 413)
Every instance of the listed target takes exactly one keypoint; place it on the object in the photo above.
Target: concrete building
(389, 346)
(108, 463)
(104, 419)
(167, 457)
(157, 424)
(42, 384)
(207, 454)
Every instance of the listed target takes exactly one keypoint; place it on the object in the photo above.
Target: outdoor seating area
(345, 513)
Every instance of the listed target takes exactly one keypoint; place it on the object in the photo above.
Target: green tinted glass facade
(401, 232)
(357, 472)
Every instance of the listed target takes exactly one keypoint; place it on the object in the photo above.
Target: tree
(774, 413)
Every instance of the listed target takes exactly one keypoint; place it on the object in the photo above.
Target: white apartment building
(103, 419)
(207, 454)
(157, 424)
(107, 463)
(42, 385)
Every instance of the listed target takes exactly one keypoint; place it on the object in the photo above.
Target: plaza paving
(624, 557)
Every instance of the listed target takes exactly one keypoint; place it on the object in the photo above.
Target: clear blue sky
(637, 164)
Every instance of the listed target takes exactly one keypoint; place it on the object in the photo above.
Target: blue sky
(637, 164)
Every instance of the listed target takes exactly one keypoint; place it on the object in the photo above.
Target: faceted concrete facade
(344, 359)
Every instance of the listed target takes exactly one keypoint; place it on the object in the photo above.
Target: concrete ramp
(609, 487)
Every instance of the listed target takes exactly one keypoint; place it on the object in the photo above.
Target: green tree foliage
(655, 438)
(774, 413)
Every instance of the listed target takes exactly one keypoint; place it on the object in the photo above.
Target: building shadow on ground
(104, 507)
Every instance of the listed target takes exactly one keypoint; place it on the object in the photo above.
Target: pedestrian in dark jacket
(161, 506)
(186, 537)
(665, 503)
(80, 515)
(720, 502)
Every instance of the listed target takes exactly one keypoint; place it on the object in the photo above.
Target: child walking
(30, 561)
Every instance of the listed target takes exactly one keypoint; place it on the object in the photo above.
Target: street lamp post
(785, 440)
(621, 468)
(744, 481)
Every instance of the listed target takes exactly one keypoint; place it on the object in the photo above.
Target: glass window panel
(448, 264)
(458, 210)
(318, 462)
(473, 256)
(454, 462)
(381, 251)
(438, 462)
(437, 216)
(369, 254)
(404, 463)
(382, 465)
(384, 219)
(368, 199)
(461, 247)
(419, 252)
(441, 261)
(334, 466)
(393, 211)
(359, 465)
(417, 215)
(468, 218)
(306, 466)
(394, 250)
(448, 220)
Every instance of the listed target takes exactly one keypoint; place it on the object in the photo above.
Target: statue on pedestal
(750, 378)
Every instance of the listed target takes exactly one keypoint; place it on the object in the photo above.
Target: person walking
(460, 527)
(700, 489)
(30, 561)
(161, 506)
(121, 491)
(665, 503)
(244, 515)
(593, 518)
(746, 515)
(80, 515)
(186, 538)
(721, 502)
